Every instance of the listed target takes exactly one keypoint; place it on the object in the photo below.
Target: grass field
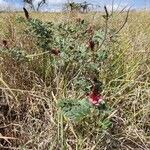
(43, 81)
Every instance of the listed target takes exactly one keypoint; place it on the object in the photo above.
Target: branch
(40, 4)
(106, 25)
(107, 14)
(126, 19)
(123, 9)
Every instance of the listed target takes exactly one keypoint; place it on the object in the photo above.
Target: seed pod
(26, 13)
(106, 12)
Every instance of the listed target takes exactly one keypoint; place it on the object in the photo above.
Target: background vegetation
(44, 65)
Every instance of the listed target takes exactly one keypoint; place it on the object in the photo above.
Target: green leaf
(74, 109)
(103, 55)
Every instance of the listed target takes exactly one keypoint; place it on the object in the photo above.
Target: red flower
(55, 51)
(5, 44)
(95, 98)
(91, 45)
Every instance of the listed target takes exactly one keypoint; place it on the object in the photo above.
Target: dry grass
(29, 118)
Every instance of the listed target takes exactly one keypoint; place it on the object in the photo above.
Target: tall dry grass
(29, 117)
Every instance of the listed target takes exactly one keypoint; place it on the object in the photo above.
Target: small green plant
(43, 33)
(16, 54)
(105, 124)
(75, 110)
(83, 113)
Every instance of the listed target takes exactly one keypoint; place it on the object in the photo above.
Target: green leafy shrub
(75, 110)
(81, 111)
